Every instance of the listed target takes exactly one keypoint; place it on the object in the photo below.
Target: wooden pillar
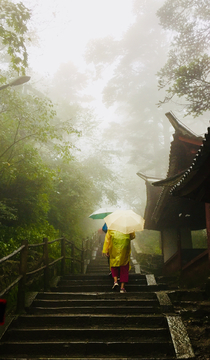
(63, 253)
(179, 248)
(82, 261)
(162, 251)
(83, 256)
(72, 260)
(162, 243)
(22, 271)
(207, 209)
(186, 237)
(46, 262)
(87, 248)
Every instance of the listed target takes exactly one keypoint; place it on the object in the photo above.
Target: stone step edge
(88, 328)
(93, 358)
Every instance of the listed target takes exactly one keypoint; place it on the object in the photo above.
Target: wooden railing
(74, 258)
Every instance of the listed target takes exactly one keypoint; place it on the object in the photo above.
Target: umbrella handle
(132, 235)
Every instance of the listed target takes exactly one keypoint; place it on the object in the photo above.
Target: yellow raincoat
(118, 246)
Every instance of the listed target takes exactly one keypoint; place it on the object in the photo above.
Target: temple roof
(170, 181)
(195, 181)
(180, 128)
(153, 194)
(150, 179)
(162, 209)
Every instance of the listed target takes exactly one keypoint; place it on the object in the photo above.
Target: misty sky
(61, 30)
(65, 27)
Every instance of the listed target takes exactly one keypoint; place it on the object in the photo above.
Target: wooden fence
(71, 255)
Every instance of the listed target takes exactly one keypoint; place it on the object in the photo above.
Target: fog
(97, 61)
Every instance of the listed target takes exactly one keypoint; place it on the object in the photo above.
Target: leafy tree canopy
(13, 33)
(71, 199)
(134, 60)
(28, 119)
(186, 73)
(31, 135)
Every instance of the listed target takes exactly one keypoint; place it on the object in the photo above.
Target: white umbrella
(125, 221)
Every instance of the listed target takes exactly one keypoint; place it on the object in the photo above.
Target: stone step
(90, 321)
(94, 303)
(92, 349)
(101, 268)
(83, 318)
(96, 310)
(187, 295)
(98, 267)
(106, 281)
(99, 277)
(94, 296)
(99, 263)
(87, 334)
(92, 358)
(95, 267)
(100, 271)
(106, 288)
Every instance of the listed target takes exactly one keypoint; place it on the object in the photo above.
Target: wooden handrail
(11, 255)
(55, 261)
(81, 258)
(36, 271)
(5, 291)
(35, 245)
(56, 240)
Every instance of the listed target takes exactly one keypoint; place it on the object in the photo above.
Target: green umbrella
(101, 213)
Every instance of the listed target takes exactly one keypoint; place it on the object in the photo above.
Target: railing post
(46, 262)
(82, 260)
(63, 253)
(72, 260)
(22, 271)
(87, 248)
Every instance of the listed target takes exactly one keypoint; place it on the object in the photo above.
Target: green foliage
(149, 242)
(28, 136)
(13, 30)
(7, 213)
(26, 188)
(25, 179)
(101, 176)
(186, 73)
(70, 202)
(199, 239)
(43, 192)
(30, 120)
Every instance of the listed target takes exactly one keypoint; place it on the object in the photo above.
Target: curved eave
(147, 178)
(182, 129)
(170, 181)
(183, 134)
(196, 175)
(152, 197)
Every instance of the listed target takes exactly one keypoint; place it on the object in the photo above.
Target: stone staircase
(82, 318)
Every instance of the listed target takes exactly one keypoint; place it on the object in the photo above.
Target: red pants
(124, 272)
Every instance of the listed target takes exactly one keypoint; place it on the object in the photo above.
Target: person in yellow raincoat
(117, 246)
